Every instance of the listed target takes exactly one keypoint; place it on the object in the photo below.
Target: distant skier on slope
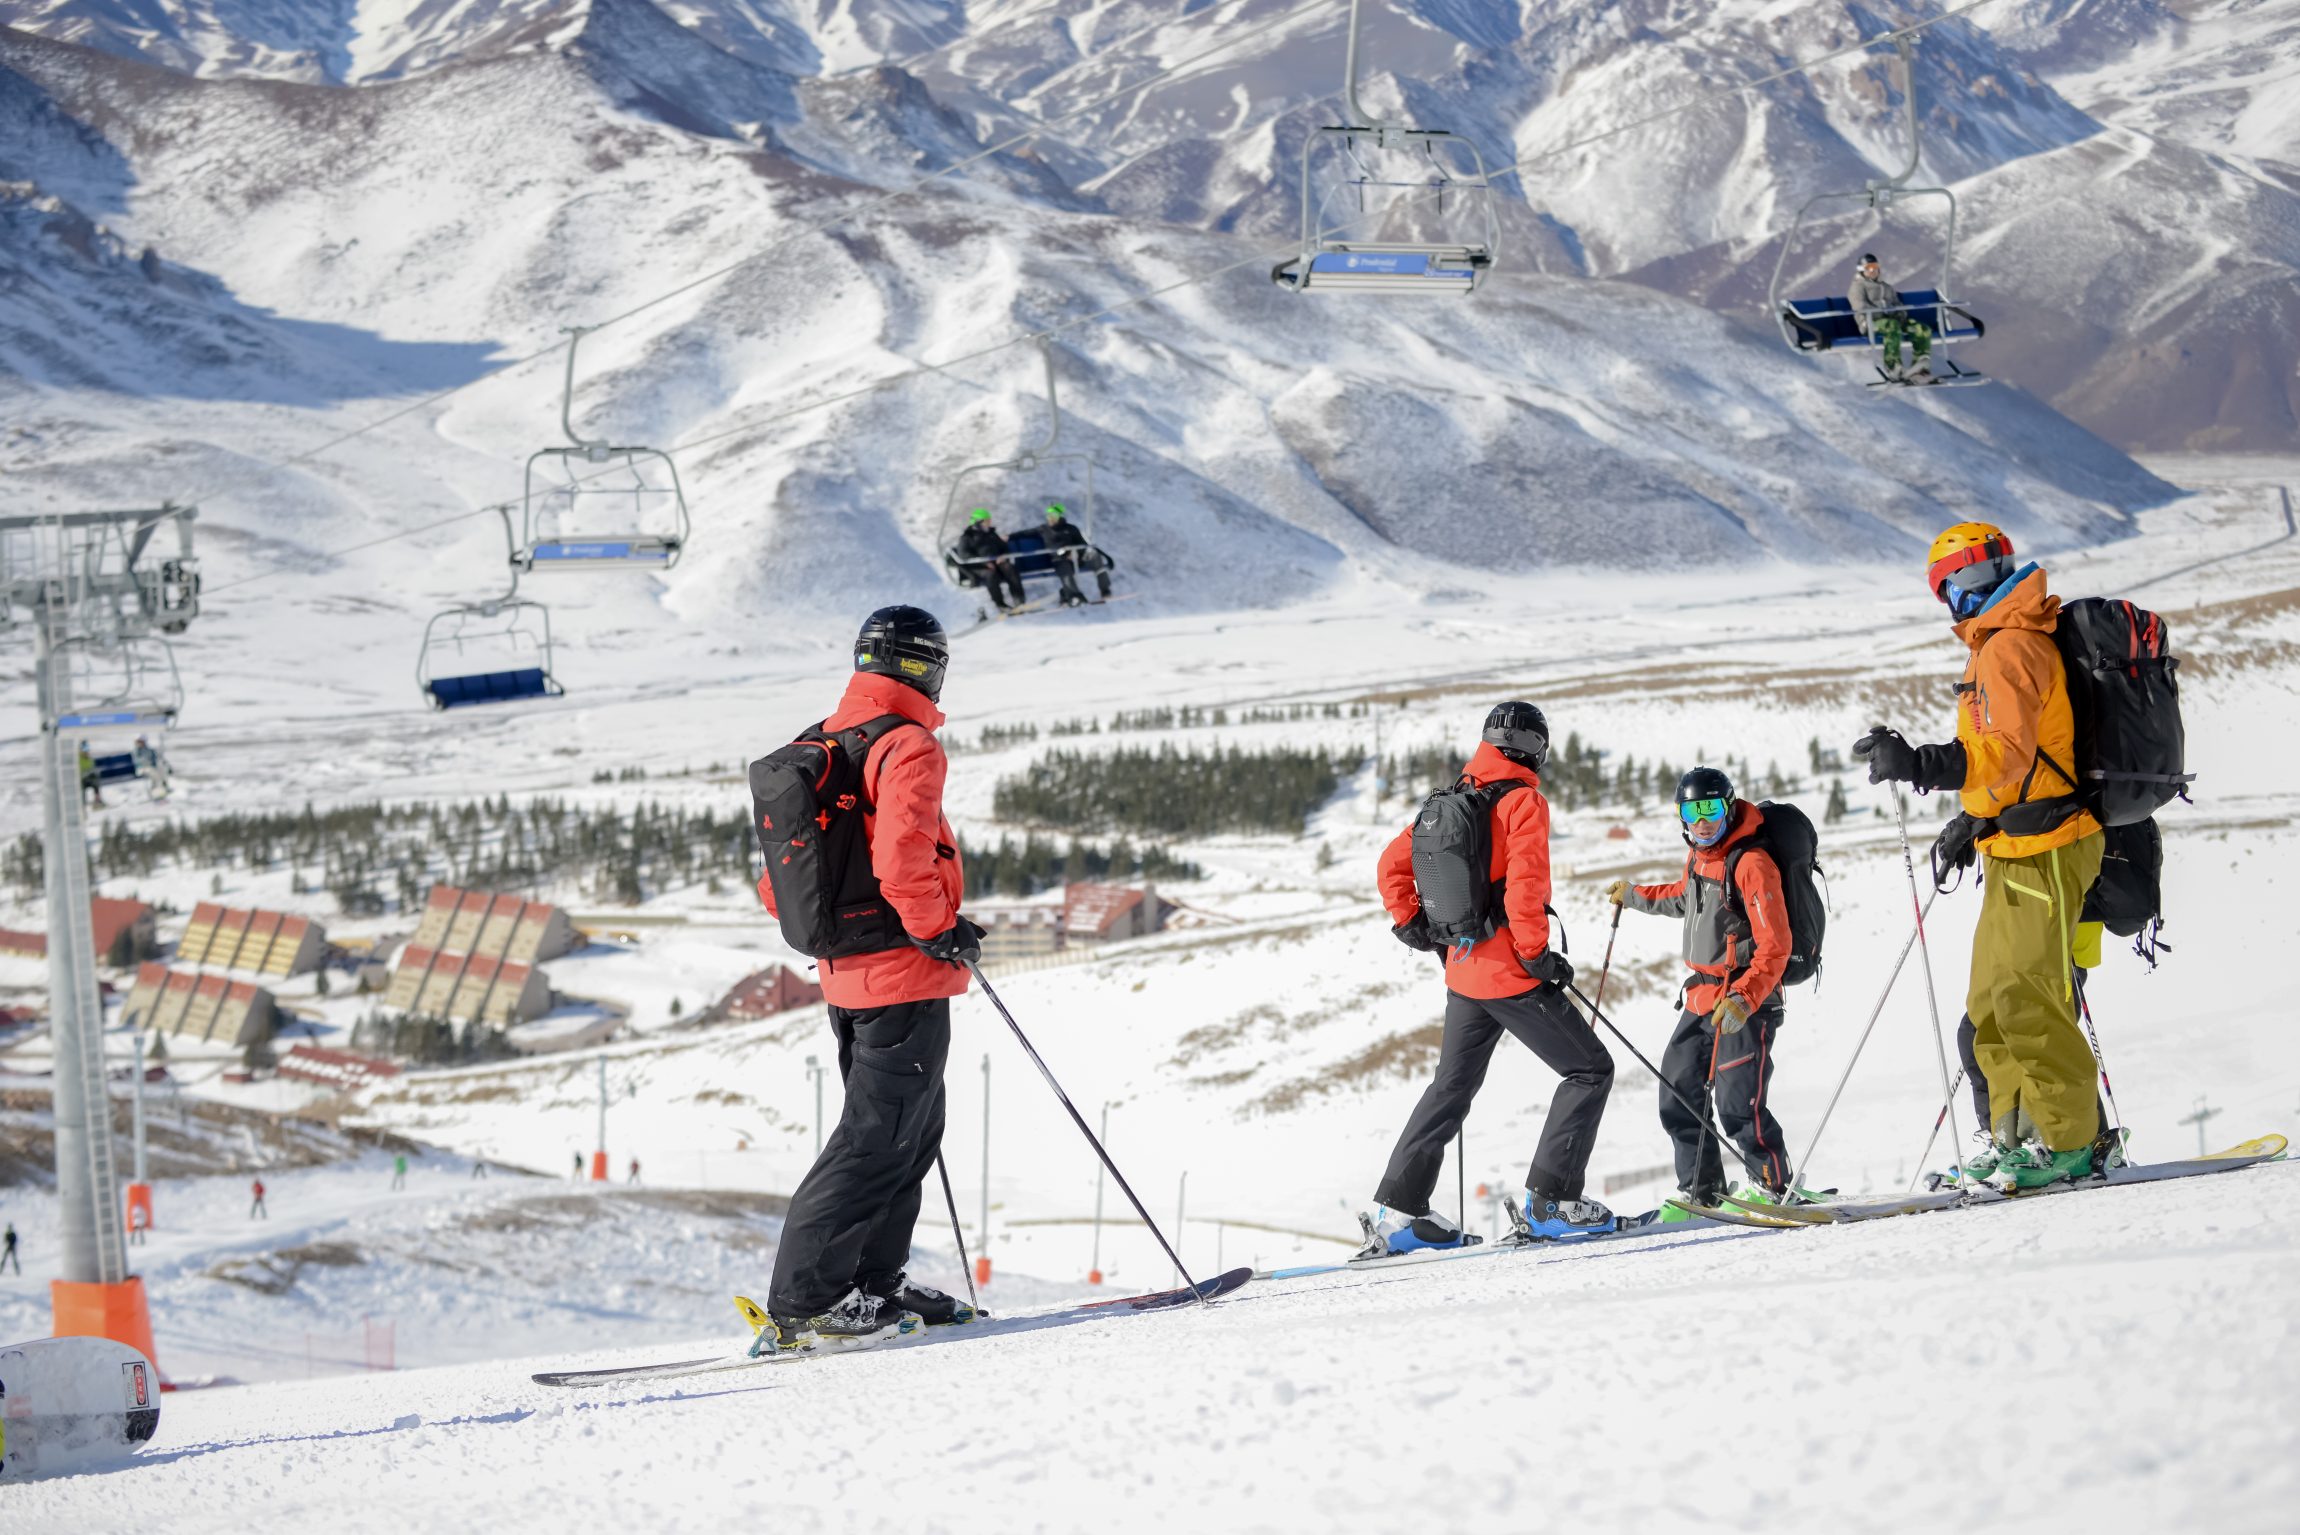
(1737, 944)
(256, 1205)
(8, 1258)
(1470, 880)
(2013, 763)
(870, 883)
(1072, 553)
(1878, 311)
(983, 548)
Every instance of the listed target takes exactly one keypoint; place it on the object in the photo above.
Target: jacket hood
(1746, 819)
(870, 695)
(2021, 603)
(1487, 765)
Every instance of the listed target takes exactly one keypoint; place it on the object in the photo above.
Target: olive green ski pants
(2022, 1000)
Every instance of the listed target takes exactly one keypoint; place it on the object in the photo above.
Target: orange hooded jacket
(2014, 717)
(1520, 856)
(913, 851)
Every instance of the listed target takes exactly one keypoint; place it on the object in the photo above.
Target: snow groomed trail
(2123, 1361)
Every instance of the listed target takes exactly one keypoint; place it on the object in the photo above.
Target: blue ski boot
(1391, 1232)
(1549, 1219)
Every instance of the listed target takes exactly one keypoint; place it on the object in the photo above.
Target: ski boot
(1391, 1232)
(2045, 1167)
(863, 1319)
(1673, 1211)
(929, 1305)
(777, 1334)
(1549, 1219)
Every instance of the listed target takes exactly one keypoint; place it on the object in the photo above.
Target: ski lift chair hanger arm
(633, 548)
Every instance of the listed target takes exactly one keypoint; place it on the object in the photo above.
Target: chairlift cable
(1150, 296)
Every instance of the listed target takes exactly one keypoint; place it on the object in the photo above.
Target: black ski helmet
(1699, 784)
(907, 644)
(1519, 732)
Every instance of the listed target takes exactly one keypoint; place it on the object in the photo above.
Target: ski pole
(2084, 1003)
(1938, 1120)
(1797, 1179)
(1084, 1129)
(1697, 1113)
(1932, 1003)
(957, 1235)
(1606, 969)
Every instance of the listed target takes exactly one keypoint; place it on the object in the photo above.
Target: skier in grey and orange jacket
(1736, 945)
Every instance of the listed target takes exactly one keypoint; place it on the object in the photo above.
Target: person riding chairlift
(1061, 540)
(1878, 310)
(984, 549)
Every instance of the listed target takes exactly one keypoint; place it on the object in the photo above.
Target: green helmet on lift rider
(1704, 806)
(979, 514)
(1056, 511)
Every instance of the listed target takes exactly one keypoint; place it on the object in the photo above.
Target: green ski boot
(1982, 1160)
(2053, 1167)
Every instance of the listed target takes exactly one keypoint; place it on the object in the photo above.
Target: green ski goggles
(1694, 810)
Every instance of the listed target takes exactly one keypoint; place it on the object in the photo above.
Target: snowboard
(682, 1369)
(73, 1404)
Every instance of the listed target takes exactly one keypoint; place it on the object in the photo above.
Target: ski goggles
(1697, 810)
(1948, 565)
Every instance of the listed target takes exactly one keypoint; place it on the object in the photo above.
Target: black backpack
(1787, 836)
(808, 806)
(2130, 745)
(2128, 897)
(1453, 861)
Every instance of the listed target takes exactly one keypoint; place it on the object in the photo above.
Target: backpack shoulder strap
(857, 741)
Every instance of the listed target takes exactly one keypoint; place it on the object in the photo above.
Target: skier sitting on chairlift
(983, 547)
(1877, 309)
(1072, 553)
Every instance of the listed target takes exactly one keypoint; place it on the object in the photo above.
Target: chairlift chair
(591, 506)
(119, 686)
(1336, 257)
(1813, 325)
(508, 629)
(1026, 547)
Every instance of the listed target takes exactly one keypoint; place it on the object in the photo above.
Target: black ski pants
(1545, 1023)
(1743, 1074)
(999, 577)
(850, 1221)
(1067, 564)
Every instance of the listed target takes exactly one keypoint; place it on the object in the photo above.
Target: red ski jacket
(913, 851)
(1520, 856)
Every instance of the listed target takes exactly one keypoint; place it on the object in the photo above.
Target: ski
(1648, 1225)
(2267, 1148)
(685, 1369)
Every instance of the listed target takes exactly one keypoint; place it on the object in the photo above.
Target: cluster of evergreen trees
(1171, 793)
(1035, 863)
(429, 1041)
(374, 858)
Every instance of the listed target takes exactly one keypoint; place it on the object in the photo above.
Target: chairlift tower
(100, 603)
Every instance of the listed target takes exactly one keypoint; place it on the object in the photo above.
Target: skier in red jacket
(839, 1268)
(1509, 981)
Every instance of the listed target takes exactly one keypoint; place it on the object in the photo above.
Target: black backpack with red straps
(807, 805)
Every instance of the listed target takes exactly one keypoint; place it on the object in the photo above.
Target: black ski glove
(1892, 759)
(1956, 848)
(1549, 966)
(962, 945)
(1415, 934)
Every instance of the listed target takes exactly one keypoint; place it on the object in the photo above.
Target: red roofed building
(771, 991)
(1101, 913)
(124, 931)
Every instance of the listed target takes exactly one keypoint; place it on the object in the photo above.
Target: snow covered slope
(1645, 1387)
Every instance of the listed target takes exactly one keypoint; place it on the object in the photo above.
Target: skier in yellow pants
(2013, 763)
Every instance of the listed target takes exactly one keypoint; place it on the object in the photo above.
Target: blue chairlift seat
(595, 554)
(117, 767)
(491, 688)
(1820, 324)
(1382, 269)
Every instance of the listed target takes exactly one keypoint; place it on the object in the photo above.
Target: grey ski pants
(850, 1220)
(1545, 1023)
